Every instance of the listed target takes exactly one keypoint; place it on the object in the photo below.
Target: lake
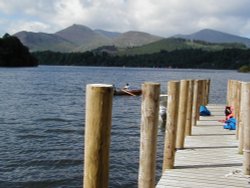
(42, 121)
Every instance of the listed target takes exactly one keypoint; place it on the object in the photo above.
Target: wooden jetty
(210, 157)
(198, 152)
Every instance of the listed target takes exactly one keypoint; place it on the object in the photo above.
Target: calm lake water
(42, 122)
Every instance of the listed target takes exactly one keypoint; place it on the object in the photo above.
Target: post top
(100, 85)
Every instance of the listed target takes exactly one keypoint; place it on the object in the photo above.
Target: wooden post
(182, 114)
(237, 106)
(208, 82)
(195, 103)
(97, 135)
(229, 92)
(188, 130)
(199, 99)
(240, 123)
(149, 128)
(246, 122)
(233, 94)
(234, 101)
(171, 125)
(203, 92)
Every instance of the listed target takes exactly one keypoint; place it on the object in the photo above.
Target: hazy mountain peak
(135, 38)
(76, 33)
(214, 36)
(76, 28)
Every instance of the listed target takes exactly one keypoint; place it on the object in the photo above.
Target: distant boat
(130, 92)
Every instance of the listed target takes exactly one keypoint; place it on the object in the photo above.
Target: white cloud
(161, 17)
(28, 26)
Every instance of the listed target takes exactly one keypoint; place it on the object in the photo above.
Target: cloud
(159, 17)
(22, 25)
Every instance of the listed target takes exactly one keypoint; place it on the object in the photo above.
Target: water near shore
(42, 122)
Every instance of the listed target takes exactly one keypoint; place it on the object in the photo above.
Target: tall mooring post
(182, 114)
(188, 127)
(246, 125)
(239, 121)
(171, 125)
(195, 103)
(149, 129)
(97, 135)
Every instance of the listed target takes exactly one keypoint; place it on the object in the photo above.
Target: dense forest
(183, 58)
(14, 54)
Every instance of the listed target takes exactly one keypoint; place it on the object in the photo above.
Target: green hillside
(171, 44)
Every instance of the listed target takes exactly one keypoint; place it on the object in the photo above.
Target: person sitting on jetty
(230, 121)
(126, 87)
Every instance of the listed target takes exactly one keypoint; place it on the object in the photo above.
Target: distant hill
(171, 44)
(44, 41)
(79, 38)
(83, 37)
(135, 38)
(214, 36)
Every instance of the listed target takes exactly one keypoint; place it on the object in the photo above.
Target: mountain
(171, 44)
(79, 38)
(44, 41)
(135, 38)
(108, 34)
(214, 36)
(83, 37)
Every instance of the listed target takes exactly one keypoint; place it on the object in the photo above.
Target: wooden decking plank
(203, 175)
(222, 176)
(187, 183)
(210, 157)
(212, 117)
(212, 180)
(217, 113)
(196, 180)
(211, 122)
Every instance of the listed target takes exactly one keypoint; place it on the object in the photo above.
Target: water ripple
(42, 122)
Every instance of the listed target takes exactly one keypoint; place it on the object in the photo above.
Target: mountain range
(213, 36)
(80, 38)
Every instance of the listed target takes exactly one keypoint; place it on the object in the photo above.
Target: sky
(158, 17)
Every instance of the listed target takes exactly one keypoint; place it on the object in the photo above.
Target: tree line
(184, 58)
(14, 54)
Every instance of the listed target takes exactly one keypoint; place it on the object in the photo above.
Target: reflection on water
(42, 121)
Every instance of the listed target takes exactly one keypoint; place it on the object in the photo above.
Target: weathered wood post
(233, 94)
(149, 129)
(229, 92)
(195, 103)
(97, 135)
(188, 130)
(237, 106)
(240, 123)
(171, 125)
(199, 98)
(233, 100)
(203, 92)
(208, 83)
(182, 114)
(246, 122)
